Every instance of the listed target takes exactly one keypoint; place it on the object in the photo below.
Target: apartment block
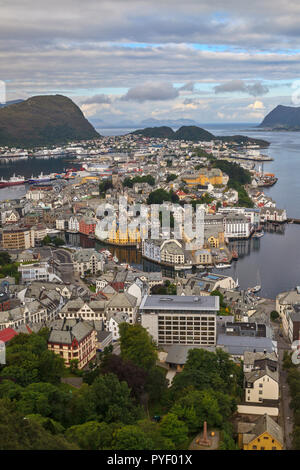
(180, 319)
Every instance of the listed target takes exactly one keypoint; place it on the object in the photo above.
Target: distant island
(194, 134)
(282, 118)
(43, 120)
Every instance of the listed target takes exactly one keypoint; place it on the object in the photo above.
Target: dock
(293, 221)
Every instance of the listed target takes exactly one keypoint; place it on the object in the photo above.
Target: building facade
(180, 319)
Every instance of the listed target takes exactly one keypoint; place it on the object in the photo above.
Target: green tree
(171, 177)
(156, 384)
(104, 186)
(58, 241)
(160, 195)
(44, 399)
(91, 435)
(4, 258)
(153, 431)
(132, 438)
(137, 345)
(51, 367)
(274, 315)
(46, 240)
(112, 401)
(214, 370)
(174, 429)
(18, 432)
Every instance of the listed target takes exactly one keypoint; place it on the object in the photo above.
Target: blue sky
(210, 61)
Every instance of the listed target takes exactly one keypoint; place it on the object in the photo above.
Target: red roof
(7, 334)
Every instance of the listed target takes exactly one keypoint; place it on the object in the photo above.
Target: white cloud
(257, 105)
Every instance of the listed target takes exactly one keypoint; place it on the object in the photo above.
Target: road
(117, 349)
(65, 269)
(286, 414)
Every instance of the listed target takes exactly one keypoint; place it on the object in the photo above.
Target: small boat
(258, 234)
(115, 259)
(179, 267)
(254, 289)
(222, 266)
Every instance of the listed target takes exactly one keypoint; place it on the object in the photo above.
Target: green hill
(44, 120)
(195, 134)
(282, 118)
(162, 132)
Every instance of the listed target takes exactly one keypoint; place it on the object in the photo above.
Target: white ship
(222, 266)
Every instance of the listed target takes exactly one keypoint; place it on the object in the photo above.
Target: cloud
(97, 99)
(254, 89)
(189, 86)
(257, 105)
(150, 91)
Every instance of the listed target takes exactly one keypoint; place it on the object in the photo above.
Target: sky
(124, 61)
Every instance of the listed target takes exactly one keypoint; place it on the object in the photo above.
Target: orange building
(87, 226)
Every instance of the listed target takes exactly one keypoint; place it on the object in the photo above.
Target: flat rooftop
(180, 303)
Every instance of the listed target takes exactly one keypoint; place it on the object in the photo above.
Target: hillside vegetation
(43, 120)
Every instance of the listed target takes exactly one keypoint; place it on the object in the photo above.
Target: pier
(293, 221)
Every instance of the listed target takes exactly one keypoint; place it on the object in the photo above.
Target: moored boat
(13, 181)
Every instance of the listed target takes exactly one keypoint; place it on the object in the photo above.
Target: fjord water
(274, 258)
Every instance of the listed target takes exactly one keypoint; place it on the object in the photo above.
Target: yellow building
(265, 434)
(204, 177)
(128, 237)
(214, 236)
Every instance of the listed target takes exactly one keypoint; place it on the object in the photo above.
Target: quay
(293, 221)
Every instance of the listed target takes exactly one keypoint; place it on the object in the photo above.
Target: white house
(113, 324)
(88, 259)
(261, 385)
(73, 224)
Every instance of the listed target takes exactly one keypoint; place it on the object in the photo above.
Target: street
(285, 413)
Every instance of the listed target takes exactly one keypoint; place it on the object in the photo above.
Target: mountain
(162, 132)
(44, 120)
(195, 134)
(282, 118)
(8, 103)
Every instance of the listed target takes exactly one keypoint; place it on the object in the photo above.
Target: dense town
(97, 310)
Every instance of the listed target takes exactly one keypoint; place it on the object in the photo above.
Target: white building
(88, 259)
(237, 226)
(260, 385)
(73, 224)
(113, 324)
(173, 319)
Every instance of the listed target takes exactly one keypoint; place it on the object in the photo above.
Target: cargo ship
(266, 180)
(13, 181)
(40, 179)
